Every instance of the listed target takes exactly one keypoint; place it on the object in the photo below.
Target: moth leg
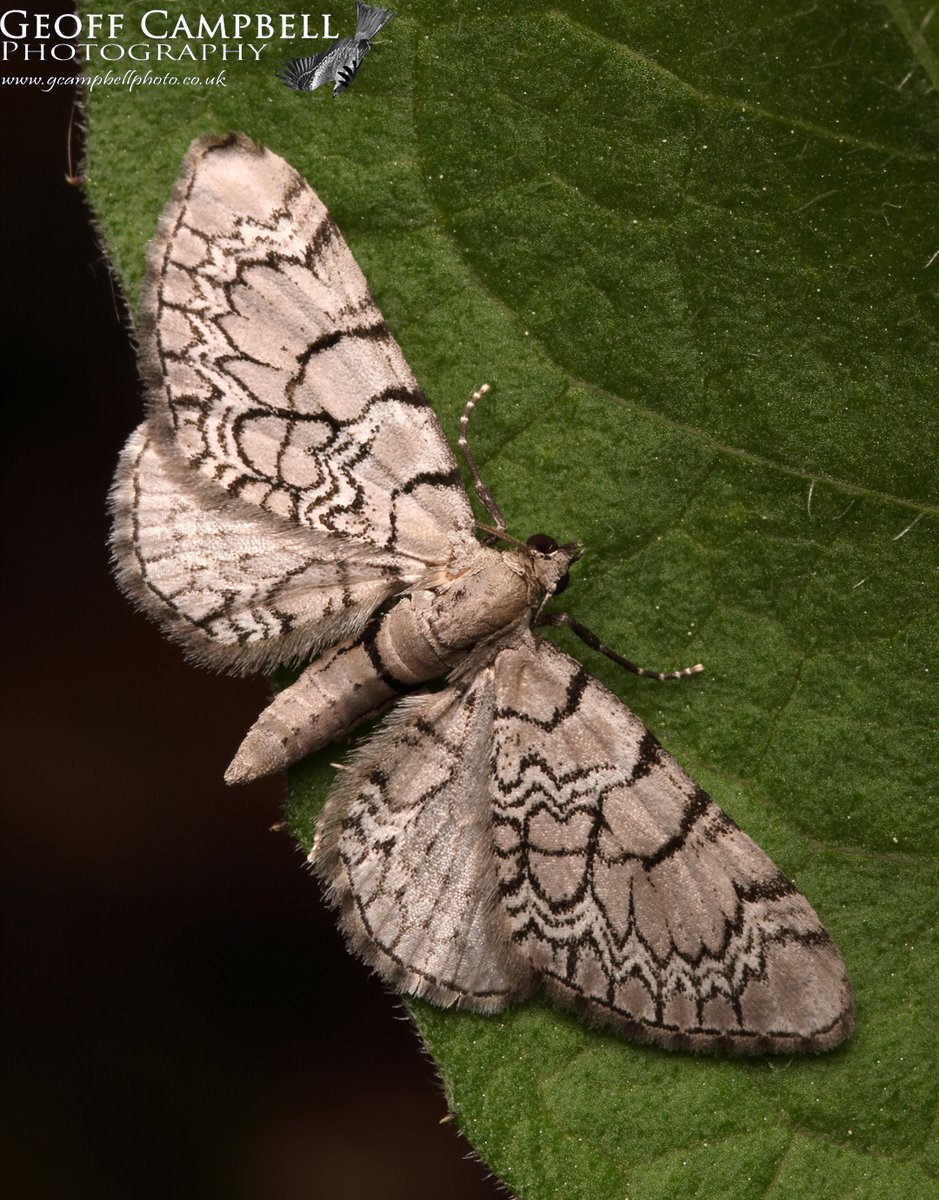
(484, 494)
(594, 643)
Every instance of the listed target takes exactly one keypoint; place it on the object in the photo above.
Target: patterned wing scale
(405, 851)
(595, 865)
(279, 404)
(643, 905)
(271, 369)
(238, 588)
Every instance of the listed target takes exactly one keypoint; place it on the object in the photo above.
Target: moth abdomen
(421, 637)
(332, 696)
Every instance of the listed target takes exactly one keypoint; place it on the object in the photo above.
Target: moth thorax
(551, 561)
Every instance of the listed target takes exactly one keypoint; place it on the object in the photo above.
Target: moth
(291, 494)
(339, 64)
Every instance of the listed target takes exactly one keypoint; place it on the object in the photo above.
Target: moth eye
(542, 542)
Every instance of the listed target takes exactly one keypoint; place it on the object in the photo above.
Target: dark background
(181, 1018)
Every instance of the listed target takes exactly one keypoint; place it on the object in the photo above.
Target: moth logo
(339, 65)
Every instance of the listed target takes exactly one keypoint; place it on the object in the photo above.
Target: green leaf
(693, 248)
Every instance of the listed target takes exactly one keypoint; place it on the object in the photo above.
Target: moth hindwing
(519, 828)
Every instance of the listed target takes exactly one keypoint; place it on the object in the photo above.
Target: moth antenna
(501, 535)
(484, 494)
(586, 635)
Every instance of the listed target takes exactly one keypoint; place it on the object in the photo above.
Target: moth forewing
(291, 493)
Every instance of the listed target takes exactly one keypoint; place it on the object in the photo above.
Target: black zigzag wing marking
(642, 904)
(271, 371)
(287, 441)
(236, 587)
(404, 849)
